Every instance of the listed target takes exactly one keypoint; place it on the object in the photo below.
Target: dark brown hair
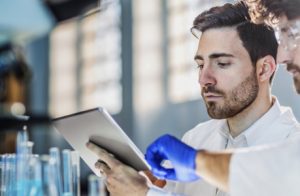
(269, 11)
(258, 39)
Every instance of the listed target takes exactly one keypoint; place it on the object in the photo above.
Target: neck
(243, 120)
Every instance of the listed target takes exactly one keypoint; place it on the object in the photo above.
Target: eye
(223, 65)
(200, 66)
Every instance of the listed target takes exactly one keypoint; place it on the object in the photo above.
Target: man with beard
(268, 170)
(236, 66)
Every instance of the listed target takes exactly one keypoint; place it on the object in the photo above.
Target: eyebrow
(213, 56)
(284, 29)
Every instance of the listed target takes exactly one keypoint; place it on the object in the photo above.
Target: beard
(296, 79)
(235, 101)
(297, 84)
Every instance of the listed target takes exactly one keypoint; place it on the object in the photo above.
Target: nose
(206, 77)
(285, 56)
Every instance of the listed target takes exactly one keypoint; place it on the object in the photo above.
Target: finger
(97, 166)
(158, 148)
(103, 155)
(170, 174)
(156, 153)
(154, 180)
(154, 157)
(109, 188)
(166, 174)
(94, 147)
(149, 176)
(106, 183)
(99, 162)
(102, 174)
(160, 183)
(102, 167)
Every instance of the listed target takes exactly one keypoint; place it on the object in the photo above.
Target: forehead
(221, 40)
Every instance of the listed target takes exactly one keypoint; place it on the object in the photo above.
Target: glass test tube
(96, 186)
(11, 188)
(2, 164)
(5, 174)
(75, 173)
(55, 156)
(22, 137)
(34, 176)
(29, 147)
(48, 179)
(22, 152)
(67, 172)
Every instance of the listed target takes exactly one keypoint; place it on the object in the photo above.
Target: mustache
(211, 89)
(291, 66)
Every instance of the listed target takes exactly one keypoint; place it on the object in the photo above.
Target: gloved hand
(181, 156)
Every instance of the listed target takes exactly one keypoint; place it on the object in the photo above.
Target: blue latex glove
(181, 156)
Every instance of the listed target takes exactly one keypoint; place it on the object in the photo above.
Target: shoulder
(287, 120)
(202, 131)
(287, 112)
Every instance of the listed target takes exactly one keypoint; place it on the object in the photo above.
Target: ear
(265, 67)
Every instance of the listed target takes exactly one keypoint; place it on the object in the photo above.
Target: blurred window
(182, 46)
(85, 62)
(148, 55)
(164, 49)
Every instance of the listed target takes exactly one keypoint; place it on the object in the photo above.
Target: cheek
(282, 55)
(228, 83)
(297, 56)
(230, 78)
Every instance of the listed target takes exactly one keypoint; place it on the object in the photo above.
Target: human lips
(211, 96)
(294, 72)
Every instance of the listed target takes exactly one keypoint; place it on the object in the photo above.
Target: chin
(216, 114)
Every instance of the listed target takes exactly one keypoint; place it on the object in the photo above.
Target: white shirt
(273, 171)
(276, 125)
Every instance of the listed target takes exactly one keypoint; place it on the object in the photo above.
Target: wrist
(200, 161)
(193, 159)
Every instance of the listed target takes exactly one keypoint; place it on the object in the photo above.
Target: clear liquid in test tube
(55, 156)
(48, 180)
(75, 173)
(34, 176)
(22, 160)
(96, 186)
(2, 169)
(12, 174)
(67, 172)
(5, 174)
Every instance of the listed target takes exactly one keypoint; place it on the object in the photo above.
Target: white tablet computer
(98, 126)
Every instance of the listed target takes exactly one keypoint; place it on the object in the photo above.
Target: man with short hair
(267, 170)
(236, 65)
